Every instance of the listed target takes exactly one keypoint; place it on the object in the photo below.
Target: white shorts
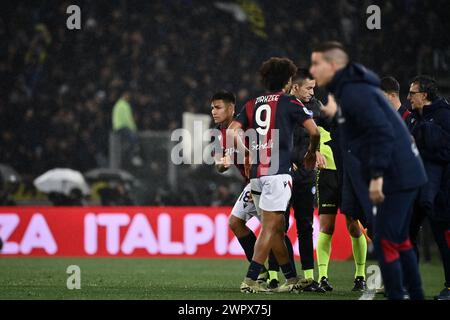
(271, 193)
(244, 208)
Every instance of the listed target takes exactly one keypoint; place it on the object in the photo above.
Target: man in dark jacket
(391, 89)
(328, 183)
(429, 123)
(379, 157)
(303, 189)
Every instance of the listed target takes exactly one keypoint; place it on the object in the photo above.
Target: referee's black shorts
(328, 192)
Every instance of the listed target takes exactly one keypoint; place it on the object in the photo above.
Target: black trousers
(395, 254)
(424, 208)
(302, 201)
(441, 234)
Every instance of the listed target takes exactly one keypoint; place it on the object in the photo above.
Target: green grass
(173, 279)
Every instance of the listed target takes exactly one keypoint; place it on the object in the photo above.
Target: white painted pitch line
(368, 295)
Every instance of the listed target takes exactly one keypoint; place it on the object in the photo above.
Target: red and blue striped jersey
(273, 117)
(230, 150)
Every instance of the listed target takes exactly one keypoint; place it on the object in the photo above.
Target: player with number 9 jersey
(268, 122)
(273, 117)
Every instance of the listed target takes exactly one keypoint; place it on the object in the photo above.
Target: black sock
(253, 270)
(273, 264)
(288, 271)
(248, 244)
(290, 250)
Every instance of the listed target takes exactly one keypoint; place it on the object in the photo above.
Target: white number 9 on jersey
(263, 125)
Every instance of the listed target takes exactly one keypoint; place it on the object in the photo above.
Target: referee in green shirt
(125, 126)
(329, 191)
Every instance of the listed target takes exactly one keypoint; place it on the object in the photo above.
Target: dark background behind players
(59, 86)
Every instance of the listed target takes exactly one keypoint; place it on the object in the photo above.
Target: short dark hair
(301, 75)
(389, 84)
(276, 72)
(224, 95)
(428, 85)
(327, 46)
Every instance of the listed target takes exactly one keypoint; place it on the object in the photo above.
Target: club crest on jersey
(307, 111)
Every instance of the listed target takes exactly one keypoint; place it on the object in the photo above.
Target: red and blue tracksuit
(375, 142)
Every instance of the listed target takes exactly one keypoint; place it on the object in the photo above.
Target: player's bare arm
(234, 129)
(314, 141)
(321, 161)
(223, 163)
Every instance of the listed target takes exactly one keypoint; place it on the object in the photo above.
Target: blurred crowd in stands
(58, 86)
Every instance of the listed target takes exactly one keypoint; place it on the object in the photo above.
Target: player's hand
(247, 166)
(310, 160)
(226, 161)
(330, 108)
(294, 167)
(376, 190)
(321, 162)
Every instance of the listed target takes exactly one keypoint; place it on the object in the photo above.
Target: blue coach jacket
(374, 139)
(431, 130)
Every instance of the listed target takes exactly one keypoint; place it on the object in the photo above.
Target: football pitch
(165, 279)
